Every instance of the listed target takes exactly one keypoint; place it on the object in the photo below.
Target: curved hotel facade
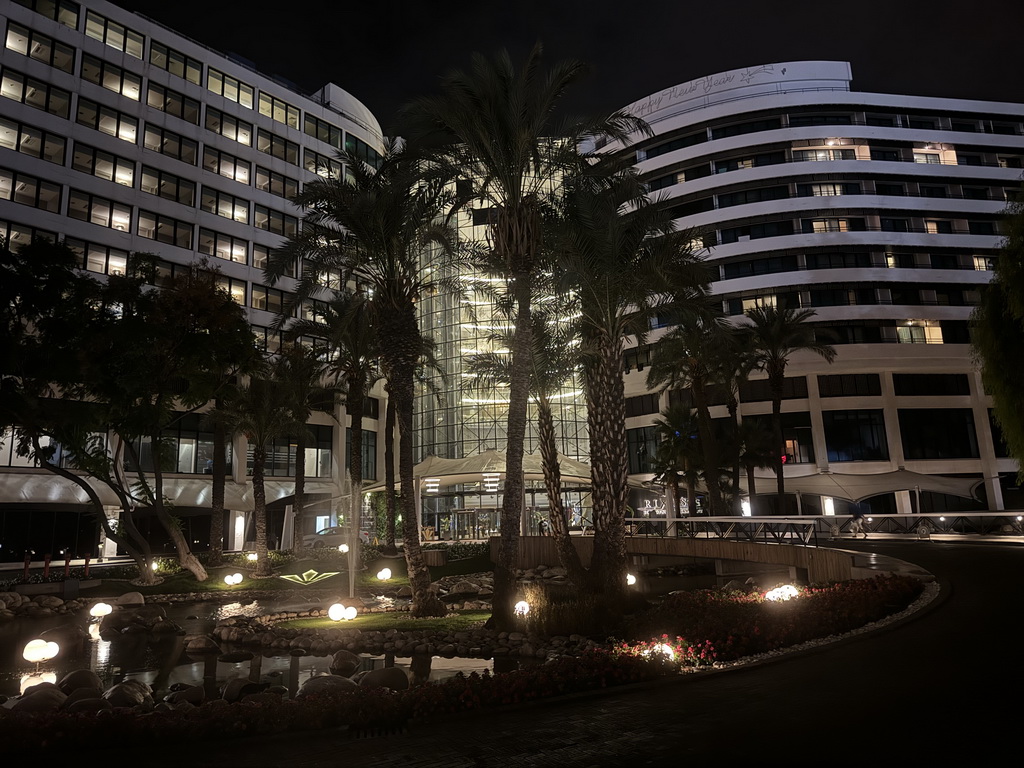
(878, 211)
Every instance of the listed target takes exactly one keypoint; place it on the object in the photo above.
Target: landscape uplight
(252, 557)
(630, 579)
(343, 548)
(384, 574)
(100, 610)
(40, 650)
(339, 612)
(522, 608)
(233, 578)
(783, 593)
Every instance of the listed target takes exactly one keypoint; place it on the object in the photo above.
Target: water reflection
(161, 661)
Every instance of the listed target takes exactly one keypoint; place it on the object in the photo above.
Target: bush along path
(688, 632)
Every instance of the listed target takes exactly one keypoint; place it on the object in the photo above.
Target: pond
(161, 661)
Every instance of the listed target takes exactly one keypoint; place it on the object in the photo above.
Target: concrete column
(986, 445)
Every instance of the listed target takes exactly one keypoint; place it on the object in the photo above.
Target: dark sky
(388, 53)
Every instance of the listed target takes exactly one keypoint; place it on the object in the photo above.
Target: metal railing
(810, 530)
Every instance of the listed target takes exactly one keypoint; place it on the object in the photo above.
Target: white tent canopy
(857, 487)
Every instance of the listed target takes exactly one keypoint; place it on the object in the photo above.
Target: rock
(404, 591)
(131, 598)
(326, 684)
(48, 601)
(465, 588)
(395, 678)
(165, 626)
(82, 693)
(89, 706)
(237, 688)
(42, 700)
(263, 699)
(201, 644)
(194, 694)
(130, 693)
(38, 687)
(344, 663)
(555, 571)
(80, 678)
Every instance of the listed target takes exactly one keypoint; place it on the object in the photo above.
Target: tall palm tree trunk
(691, 490)
(567, 554)
(402, 354)
(300, 490)
(606, 419)
(780, 442)
(259, 496)
(219, 472)
(737, 499)
(512, 503)
(389, 477)
(709, 442)
(354, 406)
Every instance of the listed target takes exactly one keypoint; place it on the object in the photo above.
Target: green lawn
(457, 622)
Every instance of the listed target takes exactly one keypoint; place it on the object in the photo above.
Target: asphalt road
(942, 688)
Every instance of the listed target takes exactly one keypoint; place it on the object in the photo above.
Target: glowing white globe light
(343, 548)
(336, 612)
(40, 650)
(522, 608)
(229, 579)
(384, 574)
(100, 610)
(630, 579)
(252, 556)
(155, 565)
(238, 578)
(665, 650)
(785, 592)
(350, 613)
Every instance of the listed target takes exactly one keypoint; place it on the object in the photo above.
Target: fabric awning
(857, 487)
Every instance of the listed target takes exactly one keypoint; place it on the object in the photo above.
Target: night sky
(386, 54)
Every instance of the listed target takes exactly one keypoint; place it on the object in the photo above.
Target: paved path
(944, 688)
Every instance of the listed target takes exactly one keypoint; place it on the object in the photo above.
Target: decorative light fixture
(343, 548)
(745, 508)
(665, 650)
(522, 608)
(384, 574)
(252, 557)
(630, 579)
(154, 565)
(39, 650)
(309, 577)
(100, 610)
(431, 484)
(491, 481)
(233, 578)
(783, 593)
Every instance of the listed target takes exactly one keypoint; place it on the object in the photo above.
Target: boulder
(48, 601)
(239, 687)
(395, 678)
(201, 644)
(41, 700)
(130, 693)
(344, 663)
(82, 693)
(326, 684)
(131, 598)
(89, 706)
(465, 588)
(404, 591)
(194, 694)
(80, 678)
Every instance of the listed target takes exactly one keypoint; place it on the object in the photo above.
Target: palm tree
(623, 261)
(301, 372)
(553, 361)
(374, 226)
(351, 350)
(679, 454)
(690, 357)
(262, 411)
(776, 334)
(755, 444)
(494, 132)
